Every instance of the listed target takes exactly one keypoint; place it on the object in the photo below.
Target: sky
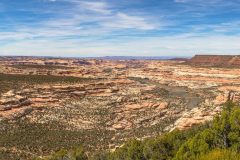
(89, 28)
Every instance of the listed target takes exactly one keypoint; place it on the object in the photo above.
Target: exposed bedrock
(215, 60)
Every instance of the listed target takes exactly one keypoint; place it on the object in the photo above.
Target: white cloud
(124, 21)
(72, 23)
(210, 4)
(181, 45)
(99, 7)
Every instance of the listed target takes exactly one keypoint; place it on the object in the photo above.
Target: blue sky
(119, 27)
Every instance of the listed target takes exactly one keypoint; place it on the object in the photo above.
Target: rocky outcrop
(10, 101)
(215, 60)
(195, 116)
(13, 105)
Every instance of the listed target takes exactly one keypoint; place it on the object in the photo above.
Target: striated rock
(133, 106)
(78, 93)
(215, 60)
(195, 116)
(13, 105)
(161, 106)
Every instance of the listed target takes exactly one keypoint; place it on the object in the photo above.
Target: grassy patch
(42, 139)
(40, 79)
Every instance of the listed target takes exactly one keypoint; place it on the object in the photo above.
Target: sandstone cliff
(215, 60)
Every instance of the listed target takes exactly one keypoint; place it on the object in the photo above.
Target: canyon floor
(47, 104)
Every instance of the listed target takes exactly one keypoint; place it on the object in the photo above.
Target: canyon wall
(215, 60)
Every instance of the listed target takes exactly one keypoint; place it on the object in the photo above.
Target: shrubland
(219, 139)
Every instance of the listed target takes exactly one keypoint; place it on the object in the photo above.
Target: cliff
(215, 60)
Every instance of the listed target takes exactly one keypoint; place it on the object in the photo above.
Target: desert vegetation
(218, 139)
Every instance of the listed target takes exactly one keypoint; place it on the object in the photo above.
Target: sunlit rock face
(215, 60)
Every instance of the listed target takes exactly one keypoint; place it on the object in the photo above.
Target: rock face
(196, 116)
(9, 100)
(13, 105)
(215, 60)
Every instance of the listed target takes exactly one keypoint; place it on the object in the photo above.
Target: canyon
(103, 103)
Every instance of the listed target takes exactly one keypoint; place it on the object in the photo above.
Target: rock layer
(215, 60)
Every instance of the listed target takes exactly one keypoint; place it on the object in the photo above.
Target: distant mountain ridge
(215, 60)
(105, 57)
(144, 57)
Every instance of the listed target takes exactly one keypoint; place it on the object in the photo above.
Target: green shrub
(220, 154)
